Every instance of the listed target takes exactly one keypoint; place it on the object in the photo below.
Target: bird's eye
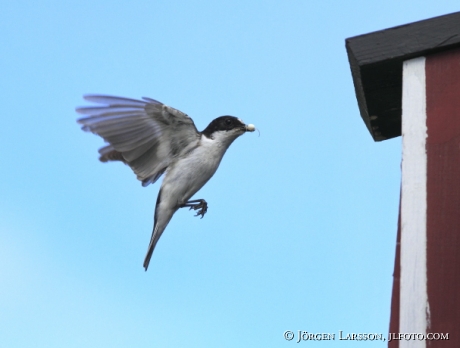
(228, 122)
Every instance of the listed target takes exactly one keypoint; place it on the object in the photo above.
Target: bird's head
(227, 128)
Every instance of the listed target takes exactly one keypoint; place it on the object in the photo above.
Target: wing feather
(147, 133)
(113, 100)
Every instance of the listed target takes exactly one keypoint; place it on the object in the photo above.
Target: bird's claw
(202, 208)
(201, 205)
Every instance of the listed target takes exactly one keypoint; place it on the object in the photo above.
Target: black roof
(376, 66)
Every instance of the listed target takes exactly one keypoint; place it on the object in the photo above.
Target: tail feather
(148, 257)
(156, 234)
(162, 216)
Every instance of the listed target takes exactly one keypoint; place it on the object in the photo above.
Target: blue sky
(301, 227)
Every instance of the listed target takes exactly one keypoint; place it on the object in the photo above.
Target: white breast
(189, 173)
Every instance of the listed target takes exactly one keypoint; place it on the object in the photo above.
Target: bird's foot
(198, 204)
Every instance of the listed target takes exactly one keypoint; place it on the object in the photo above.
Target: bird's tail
(161, 219)
(148, 257)
(153, 242)
(156, 234)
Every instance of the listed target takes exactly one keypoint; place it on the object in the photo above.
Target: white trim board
(414, 307)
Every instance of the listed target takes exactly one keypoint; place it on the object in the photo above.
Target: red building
(407, 82)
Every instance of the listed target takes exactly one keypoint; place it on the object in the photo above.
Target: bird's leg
(196, 204)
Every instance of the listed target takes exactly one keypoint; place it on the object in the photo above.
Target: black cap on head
(223, 123)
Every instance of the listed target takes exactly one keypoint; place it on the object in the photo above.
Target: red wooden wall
(442, 75)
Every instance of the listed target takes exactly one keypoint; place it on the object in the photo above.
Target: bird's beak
(250, 128)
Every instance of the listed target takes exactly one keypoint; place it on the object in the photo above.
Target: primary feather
(145, 134)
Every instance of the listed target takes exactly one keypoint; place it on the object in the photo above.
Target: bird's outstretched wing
(145, 134)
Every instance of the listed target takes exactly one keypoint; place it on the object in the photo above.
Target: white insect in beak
(250, 128)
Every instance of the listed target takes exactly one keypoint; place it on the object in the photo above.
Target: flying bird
(155, 139)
